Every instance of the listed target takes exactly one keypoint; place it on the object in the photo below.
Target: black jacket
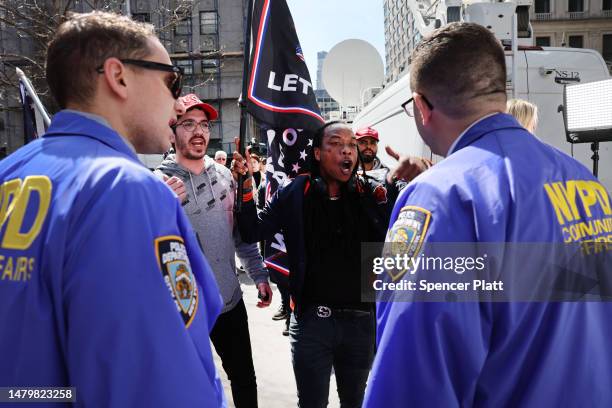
(285, 211)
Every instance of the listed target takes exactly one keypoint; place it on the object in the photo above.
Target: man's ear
(173, 137)
(115, 77)
(317, 153)
(423, 108)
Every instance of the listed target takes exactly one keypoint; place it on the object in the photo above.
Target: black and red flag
(280, 95)
(280, 92)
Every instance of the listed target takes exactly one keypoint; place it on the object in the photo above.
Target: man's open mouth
(197, 142)
(346, 166)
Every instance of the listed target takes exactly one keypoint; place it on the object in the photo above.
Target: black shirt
(334, 231)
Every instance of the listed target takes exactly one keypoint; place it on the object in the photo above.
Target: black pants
(282, 283)
(232, 341)
(318, 343)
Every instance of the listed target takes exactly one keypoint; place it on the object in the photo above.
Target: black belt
(326, 311)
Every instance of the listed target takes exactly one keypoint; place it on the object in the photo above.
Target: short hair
(458, 65)
(82, 43)
(317, 141)
(220, 154)
(320, 132)
(524, 111)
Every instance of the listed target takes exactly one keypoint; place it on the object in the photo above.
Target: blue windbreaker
(103, 286)
(499, 184)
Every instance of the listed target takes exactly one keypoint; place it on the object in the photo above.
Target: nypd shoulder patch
(178, 276)
(407, 234)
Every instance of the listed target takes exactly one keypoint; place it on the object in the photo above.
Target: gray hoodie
(210, 208)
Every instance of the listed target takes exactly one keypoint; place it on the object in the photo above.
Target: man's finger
(237, 143)
(392, 152)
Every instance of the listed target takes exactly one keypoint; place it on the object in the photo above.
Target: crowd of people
(116, 280)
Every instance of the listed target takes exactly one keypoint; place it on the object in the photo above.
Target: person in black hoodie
(325, 216)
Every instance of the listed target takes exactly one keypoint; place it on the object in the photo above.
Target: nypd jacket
(285, 211)
(102, 284)
(210, 208)
(499, 185)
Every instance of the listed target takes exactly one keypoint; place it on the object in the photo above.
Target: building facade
(205, 38)
(574, 23)
(400, 38)
(321, 55)
(555, 23)
(328, 105)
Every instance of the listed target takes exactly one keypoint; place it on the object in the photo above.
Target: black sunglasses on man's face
(175, 85)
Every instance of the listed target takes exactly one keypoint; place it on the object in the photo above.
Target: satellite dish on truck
(351, 68)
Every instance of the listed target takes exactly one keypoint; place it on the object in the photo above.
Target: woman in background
(525, 112)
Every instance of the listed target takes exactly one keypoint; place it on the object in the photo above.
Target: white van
(535, 82)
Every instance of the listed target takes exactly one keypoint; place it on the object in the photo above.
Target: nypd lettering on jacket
(31, 195)
(179, 279)
(575, 203)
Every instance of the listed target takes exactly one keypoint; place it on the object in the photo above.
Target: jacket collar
(479, 129)
(72, 123)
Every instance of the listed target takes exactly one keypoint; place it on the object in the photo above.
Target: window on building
(187, 66)
(183, 25)
(182, 44)
(208, 22)
(208, 43)
(576, 41)
(543, 41)
(606, 50)
(142, 17)
(210, 66)
(542, 6)
(575, 5)
(607, 5)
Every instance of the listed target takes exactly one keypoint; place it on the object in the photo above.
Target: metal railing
(543, 16)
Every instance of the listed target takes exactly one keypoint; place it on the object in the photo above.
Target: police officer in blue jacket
(497, 184)
(102, 284)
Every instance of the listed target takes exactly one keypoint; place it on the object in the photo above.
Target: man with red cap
(367, 142)
(209, 205)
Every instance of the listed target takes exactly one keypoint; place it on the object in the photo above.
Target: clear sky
(321, 24)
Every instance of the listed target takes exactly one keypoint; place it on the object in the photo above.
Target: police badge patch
(176, 271)
(407, 234)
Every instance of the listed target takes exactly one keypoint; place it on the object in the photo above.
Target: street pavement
(271, 355)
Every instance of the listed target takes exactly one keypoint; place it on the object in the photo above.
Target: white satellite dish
(351, 68)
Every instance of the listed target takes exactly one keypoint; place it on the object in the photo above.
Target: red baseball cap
(192, 101)
(367, 132)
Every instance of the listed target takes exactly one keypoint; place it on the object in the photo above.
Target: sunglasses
(174, 84)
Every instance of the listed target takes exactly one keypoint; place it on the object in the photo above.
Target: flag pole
(243, 106)
(26, 82)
